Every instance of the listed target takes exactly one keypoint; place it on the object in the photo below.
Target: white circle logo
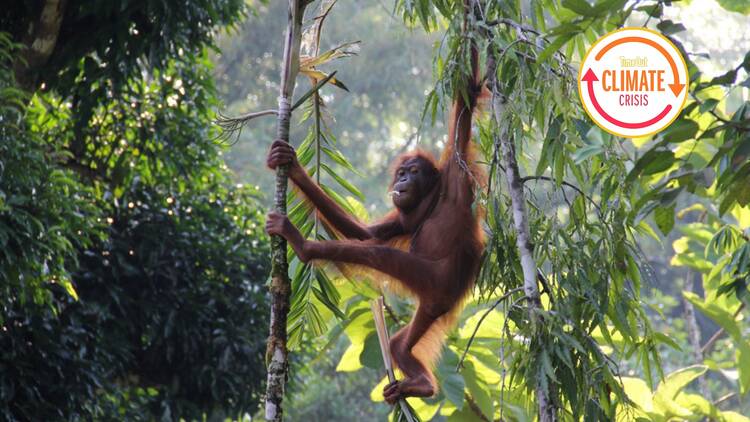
(633, 82)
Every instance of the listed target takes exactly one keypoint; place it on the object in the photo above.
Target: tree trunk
(520, 219)
(276, 350)
(39, 42)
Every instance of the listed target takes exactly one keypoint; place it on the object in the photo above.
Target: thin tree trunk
(694, 330)
(276, 350)
(521, 222)
(694, 333)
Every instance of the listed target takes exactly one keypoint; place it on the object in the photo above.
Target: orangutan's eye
(414, 170)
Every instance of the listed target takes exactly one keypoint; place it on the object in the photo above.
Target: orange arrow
(676, 86)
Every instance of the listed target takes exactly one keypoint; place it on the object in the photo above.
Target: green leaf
(582, 7)
(743, 364)
(653, 10)
(350, 361)
(339, 200)
(343, 182)
(344, 50)
(554, 46)
(653, 161)
(667, 27)
(664, 218)
(672, 384)
(584, 153)
(637, 390)
(451, 382)
(360, 325)
(663, 338)
(726, 79)
(727, 321)
(708, 104)
(339, 159)
(730, 416)
(69, 288)
(313, 90)
(371, 355)
(699, 406)
(739, 6)
(681, 130)
(478, 390)
(326, 301)
(452, 385)
(606, 6)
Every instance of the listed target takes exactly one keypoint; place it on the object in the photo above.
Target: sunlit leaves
(738, 6)
(314, 296)
(671, 385)
(670, 400)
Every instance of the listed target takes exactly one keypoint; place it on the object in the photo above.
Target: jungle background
(133, 265)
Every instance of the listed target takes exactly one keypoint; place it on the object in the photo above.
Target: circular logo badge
(632, 82)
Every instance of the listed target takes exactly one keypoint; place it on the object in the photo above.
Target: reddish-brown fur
(432, 251)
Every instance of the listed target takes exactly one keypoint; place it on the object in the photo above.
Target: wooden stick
(383, 338)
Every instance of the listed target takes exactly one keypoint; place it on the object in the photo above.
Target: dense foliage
(132, 266)
(100, 40)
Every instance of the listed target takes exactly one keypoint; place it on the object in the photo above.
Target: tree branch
(564, 183)
(475, 408)
(719, 333)
(276, 349)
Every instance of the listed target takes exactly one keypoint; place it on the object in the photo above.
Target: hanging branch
(276, 350)
(719, 333)
(520, 218)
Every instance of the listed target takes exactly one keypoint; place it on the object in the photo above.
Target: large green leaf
(350, 360)
(478, 390)
(680, 131)
(664, 218)
(666, 392)
(371, 355)
(653, 161)
(451, 382)
(739, 6)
